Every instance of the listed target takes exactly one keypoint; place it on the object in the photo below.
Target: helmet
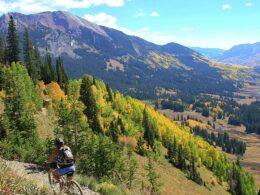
(59, 142)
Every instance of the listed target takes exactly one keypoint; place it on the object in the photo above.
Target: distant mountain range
(128, 63)
(244, 54)
(211, 53)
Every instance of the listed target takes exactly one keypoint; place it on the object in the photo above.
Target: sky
(201, 23)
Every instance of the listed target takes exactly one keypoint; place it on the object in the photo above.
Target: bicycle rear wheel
(74, 188)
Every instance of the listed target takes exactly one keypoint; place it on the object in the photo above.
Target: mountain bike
(65, 185)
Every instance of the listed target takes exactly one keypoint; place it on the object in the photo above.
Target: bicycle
(65, 185)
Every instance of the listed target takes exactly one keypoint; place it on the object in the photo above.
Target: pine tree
(153, 178)
(88, 98)
(131, 167)
(110, 93)
(113, 131)
(149, 131)
(2, 51)
(61, 75)
(13, 50)
(47, 70)
(20, 103)
(29, 57)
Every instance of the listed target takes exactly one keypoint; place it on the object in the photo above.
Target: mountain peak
(56, 20)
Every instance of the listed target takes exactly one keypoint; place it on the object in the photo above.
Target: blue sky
(204, 23)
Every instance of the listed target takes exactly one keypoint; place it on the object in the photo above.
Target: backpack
(65, 156)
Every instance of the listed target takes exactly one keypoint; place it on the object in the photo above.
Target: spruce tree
(88, 98)
(13, 50)
(149, 131)
(61, 75)
(29, 57)
(48, 74)
(153, 178)
(110, 93)
(2, 50)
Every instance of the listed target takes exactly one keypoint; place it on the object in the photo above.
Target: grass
(12, 183)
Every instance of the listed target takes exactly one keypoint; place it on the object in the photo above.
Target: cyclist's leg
(55, 175)
(63, 171)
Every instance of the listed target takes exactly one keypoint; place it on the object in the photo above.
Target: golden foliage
(55, 92)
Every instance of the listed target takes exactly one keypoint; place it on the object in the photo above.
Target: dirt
(37, 174)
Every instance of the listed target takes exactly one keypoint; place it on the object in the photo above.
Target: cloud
(145, 32)
(33, 6)
(102, 19)
(140, 13)
(155, 14)
(226, 6)
(249, 4)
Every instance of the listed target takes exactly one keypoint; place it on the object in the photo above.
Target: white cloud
(102, 19)
(155, 14)
(226, 6)
(33, 6)
(248, 4)
(145, 32)
(140, 13)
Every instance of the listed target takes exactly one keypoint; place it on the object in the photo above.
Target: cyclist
(61, 160)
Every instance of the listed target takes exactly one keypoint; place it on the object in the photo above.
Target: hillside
(245, 54)
(128, 63)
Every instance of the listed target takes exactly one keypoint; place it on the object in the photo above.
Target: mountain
(245, 54)
(211, 53)
(128, 63)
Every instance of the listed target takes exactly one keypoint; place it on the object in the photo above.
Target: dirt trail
(37, 174)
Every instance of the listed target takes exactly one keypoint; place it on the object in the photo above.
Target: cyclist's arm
(53, 156)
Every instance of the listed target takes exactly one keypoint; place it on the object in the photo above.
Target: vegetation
(227, 144)
(100, 125)
(249, 116)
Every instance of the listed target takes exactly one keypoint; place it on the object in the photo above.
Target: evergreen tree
(13, 50)
(62, 77)
(2, 51)
(153, 178)
(20, 102)
(110, 93)
(48, 74)
(131, 167)
(113, 131)
(88, 98)
(149, 130)
(30, 60)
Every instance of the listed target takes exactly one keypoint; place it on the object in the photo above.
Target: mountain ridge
(128, 63)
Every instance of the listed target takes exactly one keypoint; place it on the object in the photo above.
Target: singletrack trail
(37, 174)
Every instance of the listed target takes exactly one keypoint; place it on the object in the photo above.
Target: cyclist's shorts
(63, 171)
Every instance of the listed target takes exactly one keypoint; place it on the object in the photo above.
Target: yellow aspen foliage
(2, 94)
(42, 88)
(55, 92)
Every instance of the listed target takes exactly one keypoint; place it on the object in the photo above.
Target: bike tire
(74, 188)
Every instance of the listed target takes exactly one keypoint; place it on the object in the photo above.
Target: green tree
(131, 167)
(88, 98)
(62, 77)
(13, 50)
(110, 93)
(30, 60)
(149, 130)
(47, 71)
(2, 50)
(153, 178)
(21, 101)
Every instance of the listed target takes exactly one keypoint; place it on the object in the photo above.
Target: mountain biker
(61, 160)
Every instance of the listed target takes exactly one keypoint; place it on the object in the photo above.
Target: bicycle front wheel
(74, 188)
